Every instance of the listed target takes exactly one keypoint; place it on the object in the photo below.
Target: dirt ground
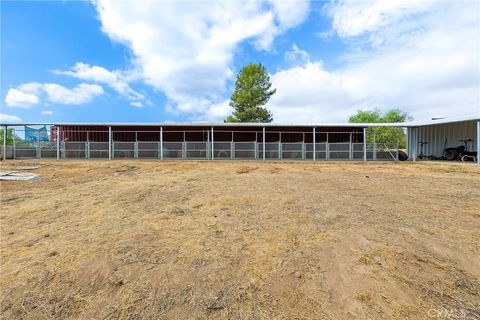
(240, 240)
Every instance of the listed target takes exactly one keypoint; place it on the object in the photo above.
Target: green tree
(9, 136)
(252, 91)
(382, 134)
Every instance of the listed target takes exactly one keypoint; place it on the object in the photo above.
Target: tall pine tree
(252, 91)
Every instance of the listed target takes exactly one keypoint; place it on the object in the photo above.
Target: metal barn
(200, 141)
(246, 141)
(430, 139)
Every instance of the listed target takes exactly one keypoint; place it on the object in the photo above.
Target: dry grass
(239, 240)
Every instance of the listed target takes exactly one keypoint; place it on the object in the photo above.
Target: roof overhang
(244, 124)
(207, 124)
(443, 121)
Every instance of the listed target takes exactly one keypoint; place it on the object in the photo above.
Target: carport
(430, 139)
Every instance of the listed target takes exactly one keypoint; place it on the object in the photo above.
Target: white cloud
(137, 104)
(353, 18)
(117, 80)
(9, 118)
(20, 99)
(297, 55)
(81, 94)
(185, 49)
(28, 94)
(47, 112)
(409, 59)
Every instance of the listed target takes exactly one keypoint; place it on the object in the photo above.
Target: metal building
(431, 138)
(255, 141)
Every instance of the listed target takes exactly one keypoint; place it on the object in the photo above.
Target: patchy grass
(241, 240)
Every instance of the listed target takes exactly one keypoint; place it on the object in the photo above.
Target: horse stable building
(243, 141)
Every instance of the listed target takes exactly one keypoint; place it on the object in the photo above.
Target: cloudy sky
(155, 61)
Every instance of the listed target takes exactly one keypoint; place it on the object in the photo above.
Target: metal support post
(279, 145)
(58, 143)
(255, 149)
(314, 145)
(207, 146)
(414, 147)
(374, 148)
(303, 147)
(5, 143)
(14, 145)
(232, 148)
(87, 147)
(161, 143)
(263, 143)
(407, 137)
(478, 142)
(135, 146)
(396, 153)
(350, 153)
(327, 150)
(213, 155)
(184, 147)
(109, 143)
(364, 144)
(38, 144)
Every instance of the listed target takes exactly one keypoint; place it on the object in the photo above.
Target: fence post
(110, 143)
(374, 148)
(5, 143)
(207, 146)
(213, 155)
(184, 147)
(135, 146)
(14, 145)
(415, 144)
(263, 143)
(38, 145)
(58, 143)
(396, 154)
(364, 144)
(87, 147)
(327, 149)
(232, 147)
(478, 142)
(280, 146)
(350, 150)
(314, 145)
(161, 143)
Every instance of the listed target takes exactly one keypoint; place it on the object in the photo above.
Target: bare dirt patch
(240, 240)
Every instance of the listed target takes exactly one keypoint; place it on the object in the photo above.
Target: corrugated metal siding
(436, 135)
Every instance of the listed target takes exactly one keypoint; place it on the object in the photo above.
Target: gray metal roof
(244, 124)
(443, 121)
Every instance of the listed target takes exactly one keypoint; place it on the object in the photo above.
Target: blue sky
(143, 61)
